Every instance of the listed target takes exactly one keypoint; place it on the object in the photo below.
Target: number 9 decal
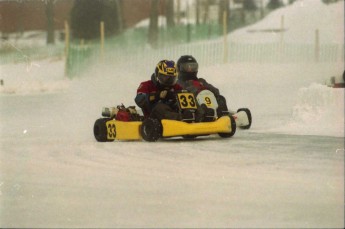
(207, 97)
(208, 101)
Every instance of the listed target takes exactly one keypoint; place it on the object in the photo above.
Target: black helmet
(187, 68)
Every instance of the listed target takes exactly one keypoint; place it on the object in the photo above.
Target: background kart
(123, 123)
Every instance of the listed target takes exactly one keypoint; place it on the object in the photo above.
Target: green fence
(79, 57)
(207, 53)
(134, 44)
(176, 35)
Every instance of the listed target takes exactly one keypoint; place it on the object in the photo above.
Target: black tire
(233, 129)
(249, 114)
(189, 137)
(151, 130)
(100, 130)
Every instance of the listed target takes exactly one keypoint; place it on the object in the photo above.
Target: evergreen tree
(274, 4)
(249, 5)
(86, 16)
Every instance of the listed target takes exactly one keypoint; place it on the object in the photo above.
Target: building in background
(28, 15)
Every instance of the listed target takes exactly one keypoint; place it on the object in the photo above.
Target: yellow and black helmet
(166, 72)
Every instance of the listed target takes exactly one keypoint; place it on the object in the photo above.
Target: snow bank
(319, 110)
(46, 76)
(146, 22)
(283, 98)
(301, 20)
(29, 39)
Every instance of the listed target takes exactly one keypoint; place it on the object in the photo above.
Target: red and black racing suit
(152, 105)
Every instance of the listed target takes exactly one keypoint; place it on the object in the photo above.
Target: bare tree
(50, 21)
(119, 15)
(169, 12)
(197, 12)
(153, 26)
(206, 7)
(178, 13)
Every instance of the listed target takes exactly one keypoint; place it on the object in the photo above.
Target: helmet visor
(167, 80)
(189, 67)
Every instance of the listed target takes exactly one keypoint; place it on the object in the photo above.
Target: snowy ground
(286, 171)
(299, 22)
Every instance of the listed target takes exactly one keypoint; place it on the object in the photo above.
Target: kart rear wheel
(151, 130)
(100, 130)
(249, 114)
(233, 129)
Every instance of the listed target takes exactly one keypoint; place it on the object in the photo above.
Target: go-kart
(121, 123)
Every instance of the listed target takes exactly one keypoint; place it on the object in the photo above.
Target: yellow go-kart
(121, 123)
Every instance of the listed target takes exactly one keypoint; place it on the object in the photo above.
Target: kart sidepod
(107, 130)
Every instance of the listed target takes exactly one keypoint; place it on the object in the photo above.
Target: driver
(157, 97)
(187, 68)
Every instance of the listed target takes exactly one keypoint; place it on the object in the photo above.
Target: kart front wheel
(233, 129)
(151, 130)
(100, 130)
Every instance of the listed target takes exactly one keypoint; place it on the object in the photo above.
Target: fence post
(317, 46)
(282, 25)
(225, 34)
(102, 38)
(281, 49)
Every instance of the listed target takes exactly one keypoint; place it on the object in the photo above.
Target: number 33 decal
(187, 100)
(111, 131)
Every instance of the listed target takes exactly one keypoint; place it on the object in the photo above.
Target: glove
(163, 94)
